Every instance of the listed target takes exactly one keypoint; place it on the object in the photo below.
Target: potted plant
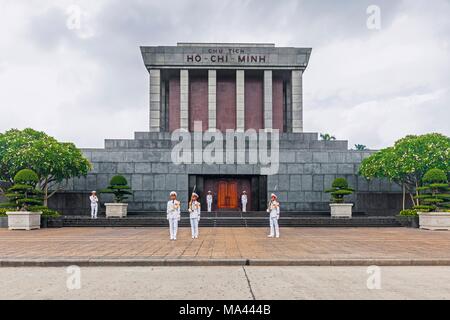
(118, 186)
(340, 189)
(22, 196)
(408, 218)
(434, 213)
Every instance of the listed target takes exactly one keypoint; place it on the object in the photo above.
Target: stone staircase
(234, 219)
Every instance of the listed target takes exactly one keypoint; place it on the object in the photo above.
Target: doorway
(227, 190)
(227, 195)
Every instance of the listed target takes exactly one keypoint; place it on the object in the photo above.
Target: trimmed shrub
(435, 196)
(23, 194)
(26, 177)
(118, 186)
(340, 183)
(435, 176)
(118, 181)
(339, 189)
(46, 212)
(409, 212)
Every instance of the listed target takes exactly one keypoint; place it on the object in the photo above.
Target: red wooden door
(227, 195)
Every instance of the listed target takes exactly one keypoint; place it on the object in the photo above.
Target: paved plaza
(296, 244)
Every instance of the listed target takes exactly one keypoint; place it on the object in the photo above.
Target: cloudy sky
(86, 82)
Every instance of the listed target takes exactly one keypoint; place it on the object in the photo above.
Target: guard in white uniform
(274, 214)
(244, 201)
(94, 204)
(173, 214)
(209, 200)
(194, 214)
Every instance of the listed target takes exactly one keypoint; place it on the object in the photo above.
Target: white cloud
(88, 84)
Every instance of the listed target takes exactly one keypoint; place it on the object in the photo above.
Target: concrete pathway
(237, 283)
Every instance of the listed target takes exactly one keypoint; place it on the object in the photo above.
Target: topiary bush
(118, 186)
(409, 213)
(23, 194)
(46, 212)
(26, 176)
(339, 189)
(435, 192)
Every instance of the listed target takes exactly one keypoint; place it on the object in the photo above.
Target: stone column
(297, 101)
(212, 85)
(184, 99)
(155, 100)
(268, 113)
(240, 100)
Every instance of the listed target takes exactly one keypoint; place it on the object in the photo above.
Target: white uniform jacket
(194, 210)
(94, 200)
(173, 209)
(274, 209)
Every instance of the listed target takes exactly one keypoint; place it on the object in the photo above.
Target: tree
(360, 147)
(435, 194)
(23, 193)
(339, 189)
(327, 137)
(54, 162)
(118, 186)
(408, 160)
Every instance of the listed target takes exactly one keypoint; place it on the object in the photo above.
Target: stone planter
(408, 221)
(341, 210)
(3, 222)
(24, 220)
(116, 210)
(434, 220)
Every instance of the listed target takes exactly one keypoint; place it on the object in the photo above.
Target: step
(317, 221)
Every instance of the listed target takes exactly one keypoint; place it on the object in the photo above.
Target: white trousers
(244, 206)
(209, 206)
(194, 227)
(94, 210)
(173, 226)
(274, 228)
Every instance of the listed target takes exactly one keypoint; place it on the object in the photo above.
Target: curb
(218, 262)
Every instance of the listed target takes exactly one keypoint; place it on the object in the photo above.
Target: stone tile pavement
(305, 244)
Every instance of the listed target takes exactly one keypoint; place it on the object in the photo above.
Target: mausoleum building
(241, 88)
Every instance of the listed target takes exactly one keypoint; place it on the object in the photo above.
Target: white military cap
(273, 195)
(244, 191)
(194, 194)
(173, 193)
(93, 191)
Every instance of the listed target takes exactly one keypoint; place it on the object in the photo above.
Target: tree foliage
(435, 194)
(54, 162)
(408, 160)
(339, 189)
(118, 186)
(327, 137)
(23, 194)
